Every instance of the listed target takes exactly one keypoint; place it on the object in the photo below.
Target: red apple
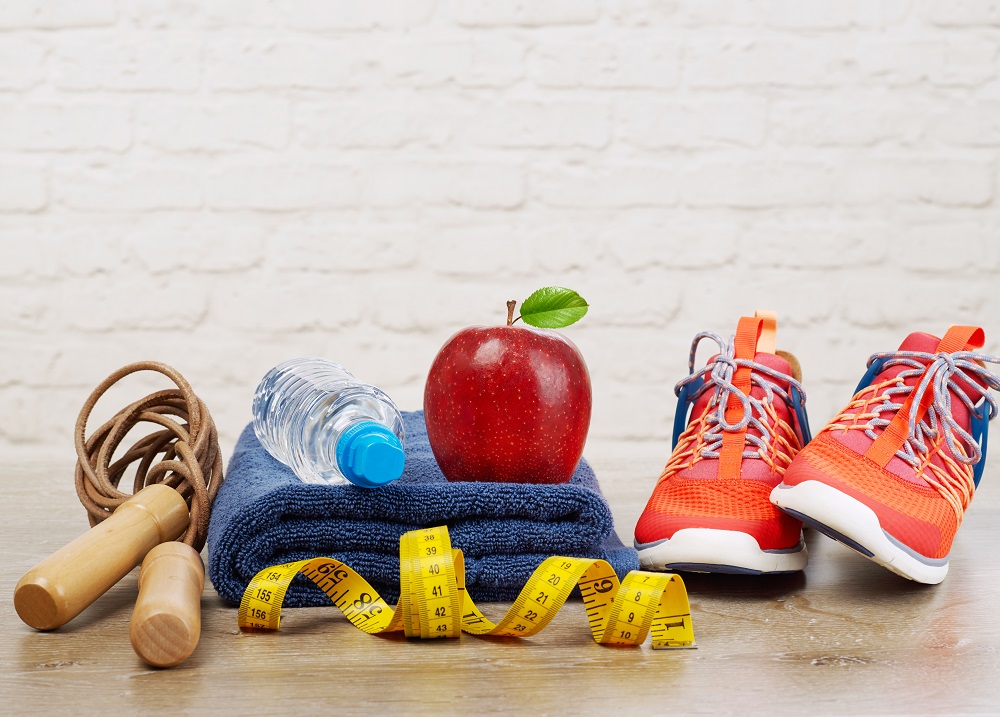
(508, 403)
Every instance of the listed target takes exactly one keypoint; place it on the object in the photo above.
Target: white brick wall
(221, 185)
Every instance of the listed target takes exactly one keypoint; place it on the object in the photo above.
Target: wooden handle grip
(166, 623)
(60, 587)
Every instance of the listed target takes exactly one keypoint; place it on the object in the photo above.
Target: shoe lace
(776, 443)
(940, 374)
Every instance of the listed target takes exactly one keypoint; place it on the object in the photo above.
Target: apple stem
(510, 312)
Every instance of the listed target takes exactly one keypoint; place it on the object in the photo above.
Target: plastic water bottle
(314, 416)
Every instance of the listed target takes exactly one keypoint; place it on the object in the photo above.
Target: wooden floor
(845, 637)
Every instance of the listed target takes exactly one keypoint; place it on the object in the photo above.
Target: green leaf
(553, 308)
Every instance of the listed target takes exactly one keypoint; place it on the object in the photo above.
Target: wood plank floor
(845, 637)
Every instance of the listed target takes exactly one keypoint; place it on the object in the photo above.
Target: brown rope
(191, 463)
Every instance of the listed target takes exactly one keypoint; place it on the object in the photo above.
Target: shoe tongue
(919, 341)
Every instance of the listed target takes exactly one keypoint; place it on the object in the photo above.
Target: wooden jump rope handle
(166, 623)
(60, 587)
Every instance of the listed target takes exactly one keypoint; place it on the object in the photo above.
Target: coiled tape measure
(433, 601)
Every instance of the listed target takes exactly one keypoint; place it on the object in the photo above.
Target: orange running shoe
(709, 511)
(892, 475)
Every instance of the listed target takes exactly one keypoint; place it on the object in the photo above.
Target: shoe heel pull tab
(767, 341)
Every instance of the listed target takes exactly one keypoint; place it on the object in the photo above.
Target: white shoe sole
(851, 522)
(706, 550)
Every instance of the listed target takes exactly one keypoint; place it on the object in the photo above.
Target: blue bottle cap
(369, 455)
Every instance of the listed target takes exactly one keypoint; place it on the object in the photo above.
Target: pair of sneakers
(890, 476)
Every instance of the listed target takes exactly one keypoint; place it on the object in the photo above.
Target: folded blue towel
(263, 515)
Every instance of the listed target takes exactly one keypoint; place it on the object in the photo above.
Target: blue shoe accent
(980, 429)
(874, 370)
(800, 416)
(685, 402)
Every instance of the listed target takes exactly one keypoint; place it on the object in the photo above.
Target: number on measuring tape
(433, 601)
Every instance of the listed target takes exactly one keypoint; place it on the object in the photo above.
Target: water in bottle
(314, 416)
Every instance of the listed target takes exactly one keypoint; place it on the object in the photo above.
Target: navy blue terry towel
(264, 515)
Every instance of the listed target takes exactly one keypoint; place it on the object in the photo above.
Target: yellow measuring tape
(433, 601)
